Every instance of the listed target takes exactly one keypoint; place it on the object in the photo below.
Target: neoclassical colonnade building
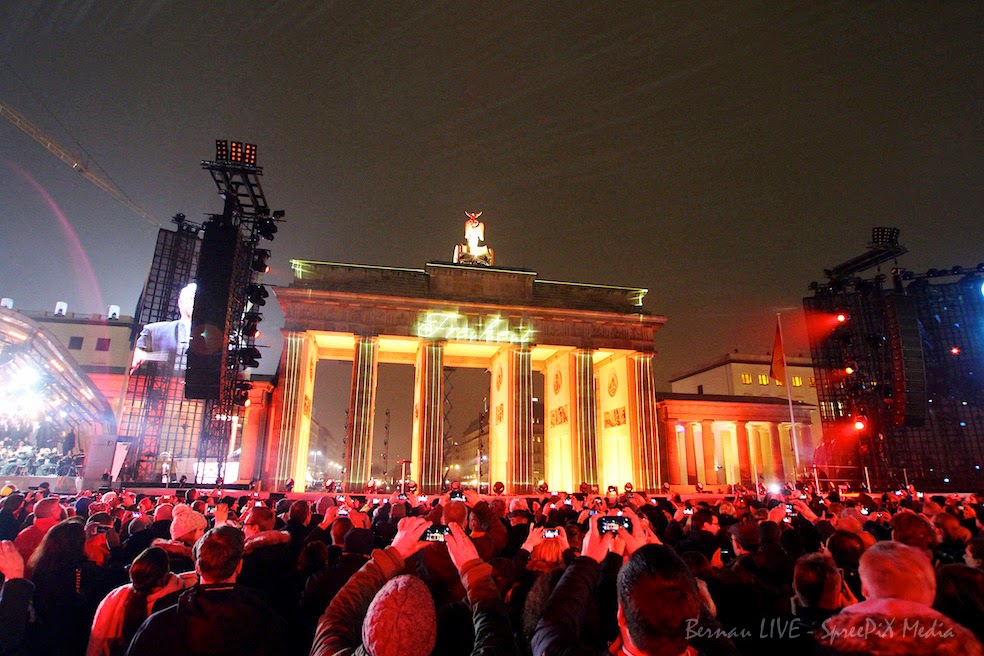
(594, 345)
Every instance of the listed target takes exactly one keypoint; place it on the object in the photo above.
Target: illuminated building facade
(100, 344)
(732, 421)
(593, 344)
(900, 371)
(717, 440)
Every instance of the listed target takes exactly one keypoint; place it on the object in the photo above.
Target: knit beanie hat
(401, 620)
(185, 520)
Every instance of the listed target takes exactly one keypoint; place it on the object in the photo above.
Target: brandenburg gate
(593, 344)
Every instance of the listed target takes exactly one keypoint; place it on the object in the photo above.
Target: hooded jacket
(213, 620)
(895, 627)
(268, 568)
(107, 626)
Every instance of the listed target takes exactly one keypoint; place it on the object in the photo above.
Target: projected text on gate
(452, 326)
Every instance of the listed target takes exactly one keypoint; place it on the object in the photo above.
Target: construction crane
(39, 135)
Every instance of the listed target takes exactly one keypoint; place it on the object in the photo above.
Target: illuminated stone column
(617, 461)
(288, 456)
(744, 456)
(642, 423)
(253, 431)
(688, 438)
(807, 449)
(511, 424)
(585, 419)
(560, 422)
(777, 468)
(672, 449)
(521, 476)
(427, 450)
(757, 451)
(707, 441)
(362, 410)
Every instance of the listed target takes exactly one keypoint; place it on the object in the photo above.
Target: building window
(779, 383)
(746, 379)
(763, 379)
(102, 343)
(813, 381)
(700, 389)
(797, 381)
(75, 343)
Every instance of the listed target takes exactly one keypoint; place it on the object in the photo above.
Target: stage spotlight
(249, 154)
(841, 317)
(221, 150)
(851, 367)
(266, 227)
(236, 151)
(257, 294)
(249, 357)
(860, 424)
(260, 258)
(955, 350)
(250, 322)
(240, 394)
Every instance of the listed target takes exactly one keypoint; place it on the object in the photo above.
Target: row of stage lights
(265, 228)
(860, 423)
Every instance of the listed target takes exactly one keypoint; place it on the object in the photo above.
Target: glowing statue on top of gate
(473, 250)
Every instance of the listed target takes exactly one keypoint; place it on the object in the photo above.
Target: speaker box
(209, 344)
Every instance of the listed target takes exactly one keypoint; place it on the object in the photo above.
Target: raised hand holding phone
(407, 541)
(460, 547)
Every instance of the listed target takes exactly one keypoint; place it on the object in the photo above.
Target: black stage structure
(899, 358)
(182, 414)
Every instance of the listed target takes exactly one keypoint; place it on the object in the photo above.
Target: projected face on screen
(167, 341)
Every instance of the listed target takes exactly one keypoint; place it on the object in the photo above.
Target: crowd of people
(189, 573)
(29, 448)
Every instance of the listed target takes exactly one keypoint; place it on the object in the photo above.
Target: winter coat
(179, 553)
(895, 627)
(211, 620)
(268, 568)
(106, 637)
(15, 602)
(65, 601)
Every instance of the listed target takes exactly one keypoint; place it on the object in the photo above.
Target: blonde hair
(546, 555)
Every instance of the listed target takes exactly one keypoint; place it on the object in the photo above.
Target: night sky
(720, 154)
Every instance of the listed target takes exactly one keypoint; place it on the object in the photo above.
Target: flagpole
(789, 395)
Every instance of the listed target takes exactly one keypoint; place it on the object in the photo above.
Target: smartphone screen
(551, 533)
(435, 533)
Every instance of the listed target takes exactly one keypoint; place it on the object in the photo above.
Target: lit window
(813, 381)
(797, 381)
(75, 343)
(763, 379)
(746, 379)
(102, 343)
(779, 383)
